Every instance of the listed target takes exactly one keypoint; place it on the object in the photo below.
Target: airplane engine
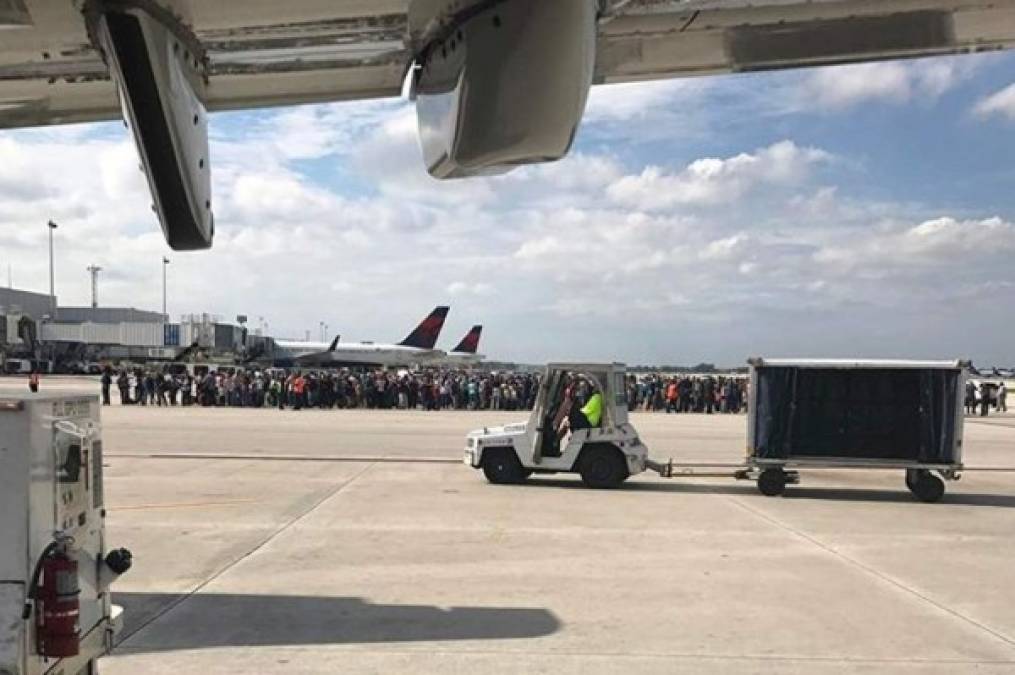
(158, 67)
(500, 84)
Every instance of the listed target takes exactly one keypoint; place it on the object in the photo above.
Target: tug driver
(590, 416)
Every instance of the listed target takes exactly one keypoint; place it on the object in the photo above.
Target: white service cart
(56, 614)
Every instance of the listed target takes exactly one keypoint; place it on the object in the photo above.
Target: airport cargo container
(863, 414)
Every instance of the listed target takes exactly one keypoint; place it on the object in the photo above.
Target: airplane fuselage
(353, 354)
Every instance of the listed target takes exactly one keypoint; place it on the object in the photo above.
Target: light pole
(165, 264)
(52, 284)
(94, 271)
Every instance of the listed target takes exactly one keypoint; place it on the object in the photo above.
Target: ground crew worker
(593, 410)
(107, 380)
(590, 415)
(33, 381)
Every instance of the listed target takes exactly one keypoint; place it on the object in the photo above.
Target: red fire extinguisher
(54, 591)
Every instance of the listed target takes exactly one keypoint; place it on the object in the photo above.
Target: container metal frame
(758, 468)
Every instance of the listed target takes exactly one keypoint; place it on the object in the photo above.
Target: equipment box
(867, 414)
(56, 613)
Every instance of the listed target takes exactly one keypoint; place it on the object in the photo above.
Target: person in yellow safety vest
(593, 410)
(591, 415)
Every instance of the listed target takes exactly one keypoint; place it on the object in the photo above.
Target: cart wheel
(772, 482)
(602, 466)
(501, 466)
(927, 487)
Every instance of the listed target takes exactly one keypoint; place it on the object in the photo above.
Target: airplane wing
(474, 65)
(273, 53)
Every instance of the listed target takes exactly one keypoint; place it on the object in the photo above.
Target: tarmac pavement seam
(261, 544)
(379, 459)
(689, 656)
(996, 634)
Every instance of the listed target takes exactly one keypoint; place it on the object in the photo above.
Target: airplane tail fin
(470, 343)
(334, 343)
(426, 333)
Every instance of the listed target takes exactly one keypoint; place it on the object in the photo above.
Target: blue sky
(851, 211)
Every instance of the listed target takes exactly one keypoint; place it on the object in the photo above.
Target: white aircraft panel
(265, 52)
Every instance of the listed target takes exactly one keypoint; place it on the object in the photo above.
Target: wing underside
(262, 53)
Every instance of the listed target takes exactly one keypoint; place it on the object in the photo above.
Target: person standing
(124, 387)
(107, 381)
(1002, 395)
(33, 381)
(672, 397)
(299, 389)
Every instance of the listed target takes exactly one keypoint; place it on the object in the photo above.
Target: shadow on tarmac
(209, 620)
(747, 488)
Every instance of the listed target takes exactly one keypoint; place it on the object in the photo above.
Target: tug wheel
(501, 467)
(602, 467)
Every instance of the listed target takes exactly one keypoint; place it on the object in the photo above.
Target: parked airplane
(497, 83)
(417, 348)
(466, 353)
(290, 353)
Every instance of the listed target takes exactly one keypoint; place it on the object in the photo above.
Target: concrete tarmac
(355, 541)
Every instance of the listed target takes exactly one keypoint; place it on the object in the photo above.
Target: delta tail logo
(469, 343)
(426, 333)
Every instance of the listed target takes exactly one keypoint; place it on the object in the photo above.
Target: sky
(862, 210)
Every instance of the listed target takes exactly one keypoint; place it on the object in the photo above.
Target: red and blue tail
(469, 343)
(426, 333)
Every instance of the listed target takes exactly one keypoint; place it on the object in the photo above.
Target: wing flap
(303, 51)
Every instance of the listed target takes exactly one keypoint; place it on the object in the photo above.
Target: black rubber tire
(911, 477)
(602, 467)
(501, 467)
(772, 482)
(928, 488)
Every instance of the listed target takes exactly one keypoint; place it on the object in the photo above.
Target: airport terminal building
(37, 332)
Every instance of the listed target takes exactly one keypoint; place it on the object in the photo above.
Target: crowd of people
(687, 393)
(982, 396)
(429, 389)
(433, 389)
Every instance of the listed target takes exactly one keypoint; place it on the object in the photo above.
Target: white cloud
(639, 100)
(726, 248)
(1001, 103)
(895, 82)
(466, 288)
(902, 249)
(712, 180)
